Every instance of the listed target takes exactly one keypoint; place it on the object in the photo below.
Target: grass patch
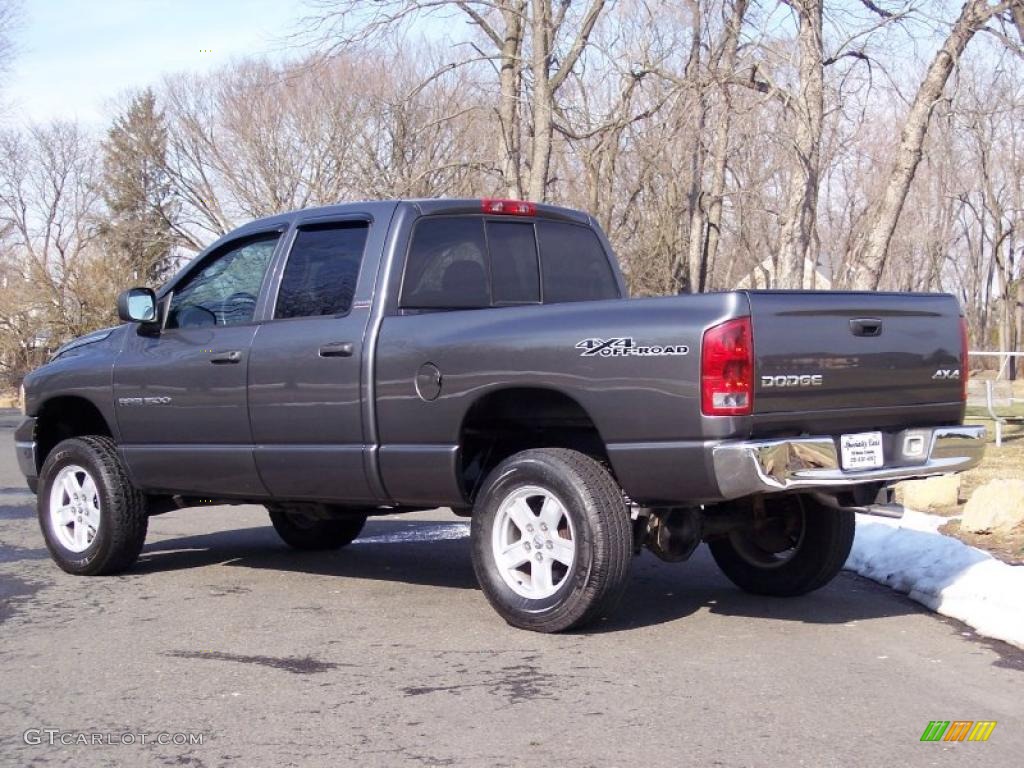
(1004, 462)
(1013, 411)
(1008, 547)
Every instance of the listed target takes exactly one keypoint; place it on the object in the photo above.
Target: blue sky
(74, 57)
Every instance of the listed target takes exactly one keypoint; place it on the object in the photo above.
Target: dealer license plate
(861, 451)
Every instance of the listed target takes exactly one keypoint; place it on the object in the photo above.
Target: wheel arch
(65, 416)
(507, 420)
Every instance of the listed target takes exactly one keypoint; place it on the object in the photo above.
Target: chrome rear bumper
(768, 466)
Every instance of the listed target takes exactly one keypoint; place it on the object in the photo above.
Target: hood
(82, 341)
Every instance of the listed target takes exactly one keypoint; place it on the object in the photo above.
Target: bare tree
(337, 26)
(725, 68)
(870, 261)
(550, 31)
(10, 12)
(534, 46)
(808, 107)
(48, 212)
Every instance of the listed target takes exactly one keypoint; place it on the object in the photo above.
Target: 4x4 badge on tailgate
(625, 346)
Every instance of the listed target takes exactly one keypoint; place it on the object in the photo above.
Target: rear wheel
(797, 546)
(301, 531)
(551, 540)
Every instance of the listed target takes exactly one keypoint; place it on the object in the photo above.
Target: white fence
(1003, 360)
(998, 395)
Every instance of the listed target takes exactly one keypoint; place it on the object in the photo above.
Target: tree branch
(877, 10)
(582, 36)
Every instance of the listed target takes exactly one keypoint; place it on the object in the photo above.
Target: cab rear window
(574, 266)
(515, 275)
(470, 262)
(447, 265)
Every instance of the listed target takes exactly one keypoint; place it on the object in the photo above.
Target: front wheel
(797, 546)
(551, 540)
(304, 532)
(93, 519)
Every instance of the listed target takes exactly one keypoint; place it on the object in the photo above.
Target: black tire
(601, 534)
(821, 542)
(299, 531)
(122, 516)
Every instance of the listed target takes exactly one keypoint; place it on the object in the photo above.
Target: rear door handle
(337, 349)
(226, 358)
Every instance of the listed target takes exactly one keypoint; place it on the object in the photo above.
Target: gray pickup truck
(384, 357)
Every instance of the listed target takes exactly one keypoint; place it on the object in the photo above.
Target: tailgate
(834, 351)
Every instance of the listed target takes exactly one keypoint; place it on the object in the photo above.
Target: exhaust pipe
(886, 509)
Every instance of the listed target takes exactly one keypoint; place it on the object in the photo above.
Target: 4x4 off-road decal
(626, 347)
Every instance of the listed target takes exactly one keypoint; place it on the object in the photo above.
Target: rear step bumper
(743, 468)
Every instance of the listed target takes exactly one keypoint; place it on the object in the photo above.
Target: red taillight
(509, 207)
(727, 369)
(965, 369)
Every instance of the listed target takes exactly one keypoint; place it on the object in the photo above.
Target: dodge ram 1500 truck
(383, 357)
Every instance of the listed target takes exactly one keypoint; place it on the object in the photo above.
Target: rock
(997, 506)
(930, 493)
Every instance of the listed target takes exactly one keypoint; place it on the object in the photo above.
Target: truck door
(180, 396)
(305, 381)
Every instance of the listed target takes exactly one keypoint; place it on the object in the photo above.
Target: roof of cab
(379, 209)
(426, 206)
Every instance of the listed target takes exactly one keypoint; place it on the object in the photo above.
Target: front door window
(224, 290)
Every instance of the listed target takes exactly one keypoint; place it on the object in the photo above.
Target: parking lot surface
(386, 653)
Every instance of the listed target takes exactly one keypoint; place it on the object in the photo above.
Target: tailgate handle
(866, 326)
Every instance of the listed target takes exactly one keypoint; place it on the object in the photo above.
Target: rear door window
(574, 265)
(322, 269)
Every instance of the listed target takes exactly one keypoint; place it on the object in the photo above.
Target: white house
(816, 277)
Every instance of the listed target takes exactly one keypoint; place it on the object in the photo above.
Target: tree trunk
(509, 81)
(809, 108)
(720, 148)
(543, 115)
(544, 29)
(870, 262)
(695, 196)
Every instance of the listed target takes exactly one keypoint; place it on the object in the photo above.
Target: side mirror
(137, 305)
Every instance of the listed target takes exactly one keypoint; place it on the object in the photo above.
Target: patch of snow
(437, 532)
(941, 572)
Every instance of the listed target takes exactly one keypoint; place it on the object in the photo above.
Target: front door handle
(226, 358)
(337, 349)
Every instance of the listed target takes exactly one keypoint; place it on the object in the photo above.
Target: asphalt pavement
(386, 653)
